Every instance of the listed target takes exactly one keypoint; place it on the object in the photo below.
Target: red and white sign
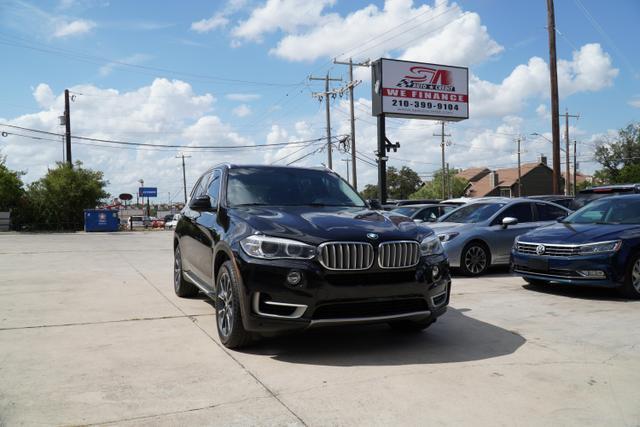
(419, 90)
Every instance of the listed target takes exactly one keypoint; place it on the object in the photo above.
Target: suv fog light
(435, 272)
(294, 278)
(592, 273)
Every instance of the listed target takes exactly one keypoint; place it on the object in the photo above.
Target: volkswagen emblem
(540, 249)
(372, 236)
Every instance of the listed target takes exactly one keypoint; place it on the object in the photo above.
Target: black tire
(536, 282)
(411, 325)
(182, 288)
(631, 287)
(228, 313)
(475, 259)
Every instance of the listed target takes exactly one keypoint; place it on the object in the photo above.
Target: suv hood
(320, 224)
(580, 233)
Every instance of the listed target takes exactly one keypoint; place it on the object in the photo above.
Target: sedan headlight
(431, 245)
(600, 247)
(265, 247)
(445, 237)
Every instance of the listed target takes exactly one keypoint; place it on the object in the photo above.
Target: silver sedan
(481, 234)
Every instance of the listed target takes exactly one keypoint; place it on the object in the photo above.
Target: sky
(234, 74)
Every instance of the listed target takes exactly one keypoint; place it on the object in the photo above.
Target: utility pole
(347, 161)
(444, 174)
(553, 74)
(67, 126)
(519, 170)
(567, 181)
(575, 168)
(184, 176)
(326, 95)
(352, 84)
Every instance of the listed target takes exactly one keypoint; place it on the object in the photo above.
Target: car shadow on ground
(578, 292)
(456, 337)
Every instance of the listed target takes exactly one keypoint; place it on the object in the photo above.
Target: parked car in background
(138, 221)
(587, 196)
(416, 202)
(459, 201)
(424, 212)
(168, 218)
(566, 201)
(599, 245)
(480, 234)
(173, 221)
(284, 248)
(157, 223)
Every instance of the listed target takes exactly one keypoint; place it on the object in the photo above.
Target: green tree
(620, 156)
(57, 200)
(433, 189)
(400, 184)
(11, 187)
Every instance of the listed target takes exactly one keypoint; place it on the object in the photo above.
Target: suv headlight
(600, 247)
(265, 247)
(431, 245)
(445, 237)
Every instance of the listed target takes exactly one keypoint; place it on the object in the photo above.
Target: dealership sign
(417, 90)
(148, 192)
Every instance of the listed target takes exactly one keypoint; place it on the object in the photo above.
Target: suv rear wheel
(228, 314)
(182, 288)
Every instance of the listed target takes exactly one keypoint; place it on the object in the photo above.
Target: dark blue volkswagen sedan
(599, 245)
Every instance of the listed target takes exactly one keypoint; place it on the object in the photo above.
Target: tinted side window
(549, 212)
(214, 188)
(428, 214)
(521, 211)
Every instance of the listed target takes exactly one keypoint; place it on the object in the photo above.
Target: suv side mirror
(374, 204)
(200, 203)
(509, 220)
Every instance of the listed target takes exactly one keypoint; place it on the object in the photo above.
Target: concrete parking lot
(92, 333)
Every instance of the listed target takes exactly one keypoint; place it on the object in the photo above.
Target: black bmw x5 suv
(283, 248)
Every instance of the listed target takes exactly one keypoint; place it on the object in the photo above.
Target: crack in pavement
(221, 347)
(102, 322)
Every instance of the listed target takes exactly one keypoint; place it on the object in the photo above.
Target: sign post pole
(382, 160)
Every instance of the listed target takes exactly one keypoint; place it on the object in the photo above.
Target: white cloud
(44, 95)
(73, 28)
(137, 58)
(635, 101)
(542, 112)
(285, 15)
(439, 33)
(241, 110)
(590, 70)
(218, 20)
(243, 97)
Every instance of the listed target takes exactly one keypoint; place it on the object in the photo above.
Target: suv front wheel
(228, 315)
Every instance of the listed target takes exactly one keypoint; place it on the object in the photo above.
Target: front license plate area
(538, 264)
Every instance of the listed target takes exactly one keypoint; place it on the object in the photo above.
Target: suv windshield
(608, 211)
(288, 187)
(475, 212)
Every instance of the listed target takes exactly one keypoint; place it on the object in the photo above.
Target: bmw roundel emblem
(372, 236)
(540, 249)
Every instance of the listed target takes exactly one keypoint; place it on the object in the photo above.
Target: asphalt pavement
(92, 333)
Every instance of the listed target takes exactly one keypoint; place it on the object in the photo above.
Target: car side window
(427, 214)
(520, 211)
(200, 188)
(214, 188)
(549, 212)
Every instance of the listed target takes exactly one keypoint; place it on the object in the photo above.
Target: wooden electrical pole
(575, 168)
(553, 75)
(567, 181)
(352, 84)
(326, 95)
(184, 176)
(67, 126)
(444, 173)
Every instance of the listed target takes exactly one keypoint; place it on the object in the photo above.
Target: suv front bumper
(271, 304)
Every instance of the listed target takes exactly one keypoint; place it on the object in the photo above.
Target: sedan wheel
(631, 287)
(475, 260)
(635, 276)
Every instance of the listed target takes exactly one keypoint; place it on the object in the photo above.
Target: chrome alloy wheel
(475, 259)
(177, 269)
(224, 305)
(635, 276)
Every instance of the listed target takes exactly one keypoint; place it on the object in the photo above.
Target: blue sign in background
(148, 191)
